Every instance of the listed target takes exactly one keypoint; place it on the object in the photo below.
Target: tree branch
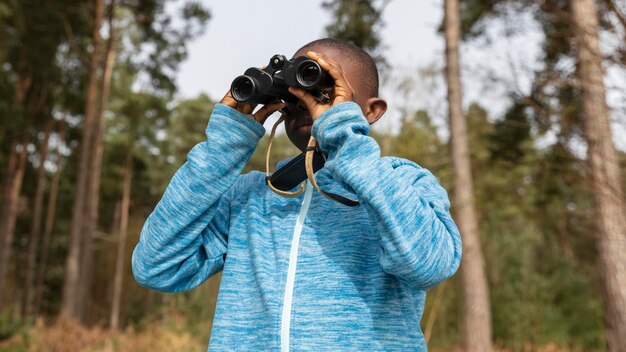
(618, 13)
(72, 40)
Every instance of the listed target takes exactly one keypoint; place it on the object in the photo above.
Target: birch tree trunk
(608, 195)
(477, 314)
(72, 291)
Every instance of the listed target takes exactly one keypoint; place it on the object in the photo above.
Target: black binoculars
(260, 86)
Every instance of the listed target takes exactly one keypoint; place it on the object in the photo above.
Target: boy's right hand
(260, 116)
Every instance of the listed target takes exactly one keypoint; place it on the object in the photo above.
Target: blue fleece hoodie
(306, 273)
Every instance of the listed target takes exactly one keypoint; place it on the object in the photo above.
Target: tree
(477, 314)
(28, 46)
(16, 166)
(137, 117)
(358, 22)
(605, 172)
(95, 162)
(73, 292)
(568, 101)
(50, 216)
(123, 235)
(151, 32)
(33, 238)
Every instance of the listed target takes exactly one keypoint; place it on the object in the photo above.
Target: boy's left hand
(260, 115)
(342, 91)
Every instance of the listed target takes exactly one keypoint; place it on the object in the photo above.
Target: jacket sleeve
(420, 243)
(183, 241)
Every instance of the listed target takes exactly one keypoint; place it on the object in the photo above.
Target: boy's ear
(375, 109)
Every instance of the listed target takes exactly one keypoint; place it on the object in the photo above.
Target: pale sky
(242, 34)
(246, 33)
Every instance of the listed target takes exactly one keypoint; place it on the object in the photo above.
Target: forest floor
(68, 336)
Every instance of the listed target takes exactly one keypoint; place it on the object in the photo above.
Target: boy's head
(360, 71)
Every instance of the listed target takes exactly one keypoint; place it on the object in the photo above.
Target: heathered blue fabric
(362, 272)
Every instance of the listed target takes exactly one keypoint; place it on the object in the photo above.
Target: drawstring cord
(310, 150)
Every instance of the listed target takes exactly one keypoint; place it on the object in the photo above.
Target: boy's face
(298, 121)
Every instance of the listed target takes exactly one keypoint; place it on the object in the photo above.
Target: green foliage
(418, 141)
(534, 203)
(511, 136)
(534, 211)
(187, 127)
(473, 15)
(9, 325)
(446, 331)
(197, 306)
(44, 48)
(162, 39)
(282, 148)
(184, 129)
(532, 268)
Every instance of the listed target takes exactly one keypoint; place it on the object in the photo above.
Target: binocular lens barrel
(244, 89)
(308, 74)
(258, 86)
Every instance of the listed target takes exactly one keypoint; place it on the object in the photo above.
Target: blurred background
(517, 106)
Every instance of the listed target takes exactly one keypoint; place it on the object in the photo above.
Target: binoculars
(260, 86)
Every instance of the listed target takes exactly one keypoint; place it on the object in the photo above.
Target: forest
(92, 129)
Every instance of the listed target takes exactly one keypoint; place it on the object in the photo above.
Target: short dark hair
(360, 57)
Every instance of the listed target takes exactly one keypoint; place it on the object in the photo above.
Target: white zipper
(291, 271)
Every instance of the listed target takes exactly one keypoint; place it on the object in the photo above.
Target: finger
(305, 97)
(247, 108)
(327, 63)
(229, 100)
(320, 56)
(335, 71)
(343, 89)
(267, 110)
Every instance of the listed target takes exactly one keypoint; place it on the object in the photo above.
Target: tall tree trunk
(35, 229)
(477, 314)
(47, 233)
(12, 188)
(607, 190)
(16, 165)
(5, 239)
(121, 246)
(72, 292)
(95, 168)
(115, 225)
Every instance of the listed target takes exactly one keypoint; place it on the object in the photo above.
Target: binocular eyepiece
(259, 86)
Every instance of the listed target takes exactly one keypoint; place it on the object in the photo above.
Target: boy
(305, 273)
